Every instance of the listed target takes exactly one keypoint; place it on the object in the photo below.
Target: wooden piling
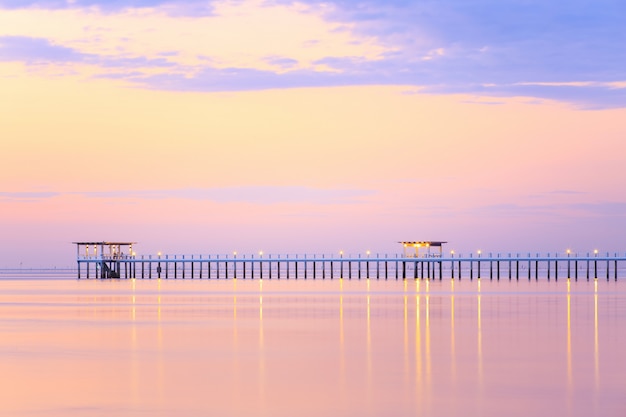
(452, 269)
(185, 266)
(498, 268)
(386, 270)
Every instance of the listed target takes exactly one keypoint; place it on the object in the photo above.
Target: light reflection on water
(325, 347)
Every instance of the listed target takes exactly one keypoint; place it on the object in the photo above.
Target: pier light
(452, 252)
(479, 252)
(568, 252)
(595, 251)
(368, 253)
(235, 254)
(341, 253)
(260, 253)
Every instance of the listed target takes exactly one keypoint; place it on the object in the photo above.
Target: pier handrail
(358, 258)
(396, 265)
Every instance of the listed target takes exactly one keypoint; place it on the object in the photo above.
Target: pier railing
(373, 266)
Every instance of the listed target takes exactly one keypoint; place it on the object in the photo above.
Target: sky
(207, 127)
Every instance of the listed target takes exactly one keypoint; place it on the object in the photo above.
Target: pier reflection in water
(311, 348)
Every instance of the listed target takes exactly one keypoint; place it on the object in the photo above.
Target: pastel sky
(292, 127)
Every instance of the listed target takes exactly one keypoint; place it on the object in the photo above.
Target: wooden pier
(109, 260)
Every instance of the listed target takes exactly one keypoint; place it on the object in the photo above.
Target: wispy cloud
(27, 195)
(594, 209)
(106, 5)
(565, 192)
(604, 209)
(248, 194)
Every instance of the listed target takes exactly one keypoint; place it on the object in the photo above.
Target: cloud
(249, 194)
(106, 5)
(552, 50)
(342, 71)
(239, 79)
(515, 211)
(28, 195)
(282, 62)
(561, 51)
(565, 192)
(604, 209)
(254, 195)
(39, 51)
(586, 95)
(555, 211)
(29, 50)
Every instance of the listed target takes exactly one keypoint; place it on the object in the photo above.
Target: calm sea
(312, 348)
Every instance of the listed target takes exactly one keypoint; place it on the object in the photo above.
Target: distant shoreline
(26, 271)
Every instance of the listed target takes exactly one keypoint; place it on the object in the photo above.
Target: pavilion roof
(423, 242)
(106, 243)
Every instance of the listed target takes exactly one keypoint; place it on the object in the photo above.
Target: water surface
(312, 348)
